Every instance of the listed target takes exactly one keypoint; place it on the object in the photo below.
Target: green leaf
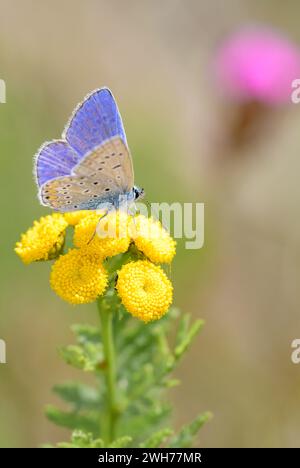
(88, 358)
(182, 328)
(86, 333)
(87, 422)
(80, 395)
(85, 440)
(143, 417)
(188, 337)
(121, 442)
(156, 439)
(186, 435)
(144, 362)
(73, 355)
(81, 439)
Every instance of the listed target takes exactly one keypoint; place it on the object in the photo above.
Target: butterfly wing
(54, 159)
(91, 163)
(94, 121)
(101, 175)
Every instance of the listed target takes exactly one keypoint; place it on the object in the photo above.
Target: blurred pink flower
(256, 63)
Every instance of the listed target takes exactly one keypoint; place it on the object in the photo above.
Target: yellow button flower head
(152, 239)
(113, 230)
(78, 277)
(145, 290)
(73, 217)
(44, 240)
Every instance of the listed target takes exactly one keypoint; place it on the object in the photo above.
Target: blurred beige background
(156, 57)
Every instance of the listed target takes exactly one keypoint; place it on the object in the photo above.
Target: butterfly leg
(132, 211)
(98, 223)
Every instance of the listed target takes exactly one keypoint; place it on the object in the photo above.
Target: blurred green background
(156, 57)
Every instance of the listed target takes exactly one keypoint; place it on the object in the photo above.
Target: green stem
(106, 316)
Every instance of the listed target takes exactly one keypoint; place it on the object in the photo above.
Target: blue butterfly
(90, 167)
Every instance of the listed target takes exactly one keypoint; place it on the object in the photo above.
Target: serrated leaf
(85, 440)
(187, 339)
(81, 439)
(121, 442)
(87, 358)
(143, 417)
(80, 395)
(73, 355)
(155, 440)
(186, 435)
(183, 327)
(86, 333)
(87, 422)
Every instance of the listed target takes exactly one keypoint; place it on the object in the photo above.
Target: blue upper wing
(95, 120)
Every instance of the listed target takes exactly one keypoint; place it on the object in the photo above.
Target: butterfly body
(91, 166)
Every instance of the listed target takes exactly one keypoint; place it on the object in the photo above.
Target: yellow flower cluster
(107, 237)
(145, 290)
(152, 239)
(44, 240)
(79, 275)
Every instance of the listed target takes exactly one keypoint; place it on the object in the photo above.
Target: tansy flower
(144, 289)
(44, 240)
(112, 235)
(78, 277)
(73, 217)
(152, 239)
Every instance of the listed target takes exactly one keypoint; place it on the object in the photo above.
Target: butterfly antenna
(93, 236)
